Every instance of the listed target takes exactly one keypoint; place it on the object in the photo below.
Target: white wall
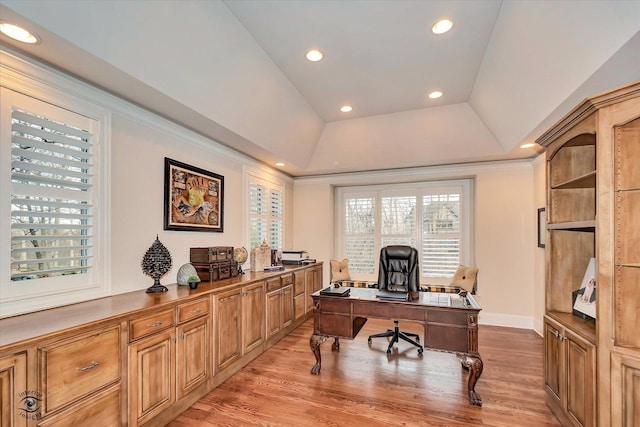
(139, 149)
(505, 229)
(540, 201)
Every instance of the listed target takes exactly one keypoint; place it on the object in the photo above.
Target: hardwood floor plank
(361, 385)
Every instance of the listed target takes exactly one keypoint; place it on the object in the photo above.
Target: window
(433, 217)
(266, 213)
(50, 157)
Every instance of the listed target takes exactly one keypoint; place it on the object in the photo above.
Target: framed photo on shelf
(542, 227)
(193, 198)
(584, 299)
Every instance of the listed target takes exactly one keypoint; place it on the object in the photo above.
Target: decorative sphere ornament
(240, 256)
(155, 264)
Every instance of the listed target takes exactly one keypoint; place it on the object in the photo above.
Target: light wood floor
(363, 386)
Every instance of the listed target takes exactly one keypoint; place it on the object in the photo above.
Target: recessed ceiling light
(442, 26)
(280, 164)
(346, 108)
(314, 55)
(18, 33)
(528, 145)
(435, 94)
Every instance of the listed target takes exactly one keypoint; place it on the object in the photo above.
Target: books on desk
(336, 292)
(398, 296)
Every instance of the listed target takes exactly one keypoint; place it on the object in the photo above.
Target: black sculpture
(155, 264)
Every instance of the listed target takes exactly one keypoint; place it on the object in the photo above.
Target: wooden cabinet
(313, 283)
(136, 358)
(73, 369)
(102, 409)
(240, 322)
(593, 200)
(299, 301)
(165, 366)
(151, 376)
(279, 310)
(13, 391)
(570, 374)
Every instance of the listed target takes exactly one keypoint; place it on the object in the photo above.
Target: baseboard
(507, 320)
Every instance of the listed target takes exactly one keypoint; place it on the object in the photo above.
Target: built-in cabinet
(240, 323)
(141, 358)
(13, 390)
(593, 200)
(279, 309)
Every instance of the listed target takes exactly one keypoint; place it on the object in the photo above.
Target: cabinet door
(298, 282)
(581, 380)
(273, 312)
(229, 327)
(13, 388)
(253, 316)
(192, 361)
(317, 278)
(309, 284)
(151, 377)
(552, 362)
(288, 314)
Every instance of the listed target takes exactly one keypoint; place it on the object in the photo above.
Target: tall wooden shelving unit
(592, 367)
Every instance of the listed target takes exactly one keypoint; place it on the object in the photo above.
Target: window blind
(266, 211)
(51, 193)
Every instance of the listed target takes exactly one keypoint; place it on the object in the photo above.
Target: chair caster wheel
(369, 340)
(420, 351)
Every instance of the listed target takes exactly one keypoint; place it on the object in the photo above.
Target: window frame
(418, 189)
(270, 183)
(23, 83)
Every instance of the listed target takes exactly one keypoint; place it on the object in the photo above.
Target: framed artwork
(193, 198)
(542, 227)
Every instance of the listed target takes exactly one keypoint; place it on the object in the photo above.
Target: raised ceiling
(235, 71)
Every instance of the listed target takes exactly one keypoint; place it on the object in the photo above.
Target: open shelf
(589, 225)
(587, 180)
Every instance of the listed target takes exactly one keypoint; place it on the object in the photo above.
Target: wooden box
(214, 271)
(211, 254)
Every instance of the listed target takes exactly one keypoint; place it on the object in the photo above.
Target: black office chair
(399, 273)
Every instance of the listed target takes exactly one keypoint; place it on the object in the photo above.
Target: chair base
(396, 335)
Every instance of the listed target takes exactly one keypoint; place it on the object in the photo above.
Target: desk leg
(474, 365)
(336, 344)
(314, 343)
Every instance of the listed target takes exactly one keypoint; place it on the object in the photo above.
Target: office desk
(450, 324)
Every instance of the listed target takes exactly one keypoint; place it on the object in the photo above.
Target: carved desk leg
(474, 365)
(314, 343)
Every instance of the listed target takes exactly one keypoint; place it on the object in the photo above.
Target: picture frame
(542, 227)
(193, 198)
(584, 299)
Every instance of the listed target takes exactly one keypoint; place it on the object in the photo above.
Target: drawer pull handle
(154, 325)
(196, 310)
(90, 366)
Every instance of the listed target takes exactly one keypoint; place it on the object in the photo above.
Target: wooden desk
(450, 324)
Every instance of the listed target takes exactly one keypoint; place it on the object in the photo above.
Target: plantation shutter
(266, 214)
(440, 235)
(51, 193)
(275, 219)
(398, 220)
(359, 233)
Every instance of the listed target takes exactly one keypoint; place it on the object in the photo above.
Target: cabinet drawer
(193, 309)
(273, 284)
(75, 368)
(286, 279)
(148, 325)
(101, 409)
